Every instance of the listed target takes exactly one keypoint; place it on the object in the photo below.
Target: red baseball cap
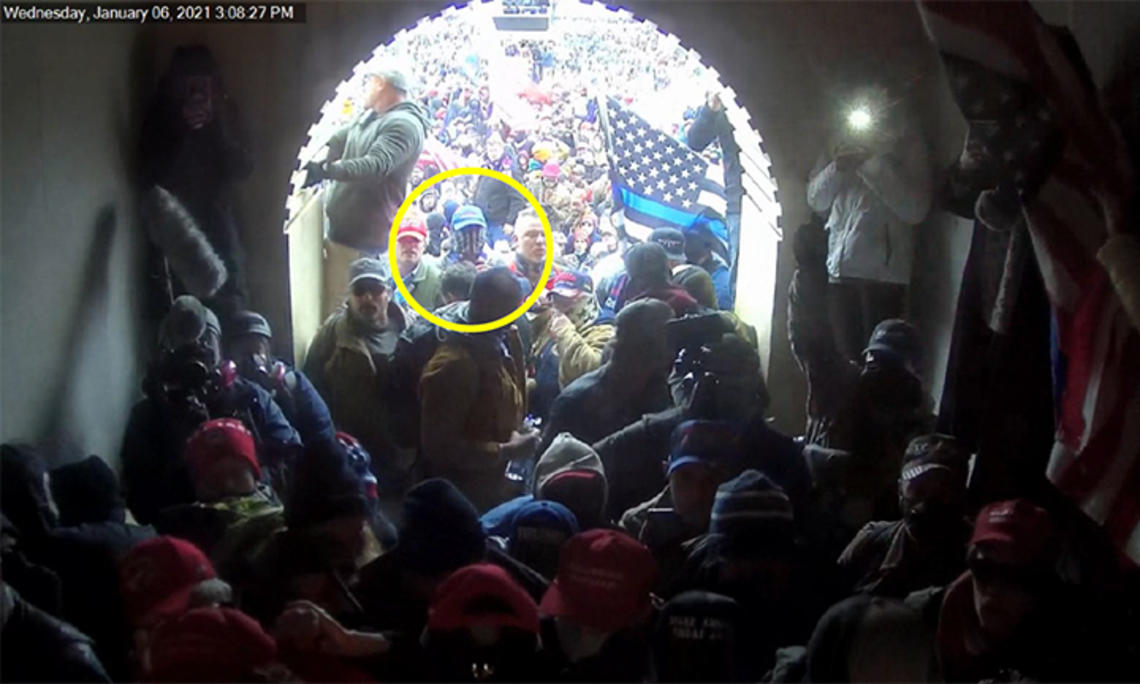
(158, 576)
(1024, 528)
(412, 228)
(603, 582)
(217, 439)
(482, 594)
(209, 645)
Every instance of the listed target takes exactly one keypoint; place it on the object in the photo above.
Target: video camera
(696, 330)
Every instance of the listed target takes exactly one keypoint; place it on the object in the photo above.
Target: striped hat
(750, 508)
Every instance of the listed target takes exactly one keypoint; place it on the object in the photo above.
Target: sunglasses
(369, 286)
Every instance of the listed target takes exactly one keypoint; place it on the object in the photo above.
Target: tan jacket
(476, 397)
(349, 369)
(579, 350)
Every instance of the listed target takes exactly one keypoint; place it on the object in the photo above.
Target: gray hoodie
(565, 453)
(374, 157)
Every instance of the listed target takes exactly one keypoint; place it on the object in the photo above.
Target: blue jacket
(722, 281)
(299, 401)
(154, 473)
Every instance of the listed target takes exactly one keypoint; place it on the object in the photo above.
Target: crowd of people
(591, 492)
(528, 108)
(398, 509)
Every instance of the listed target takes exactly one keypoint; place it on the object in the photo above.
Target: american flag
(1053, 143)
(659, 181)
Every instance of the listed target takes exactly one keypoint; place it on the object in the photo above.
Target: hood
(485, 341)
(564, 454)
(87, 491)
(25, 498)
(413, 109)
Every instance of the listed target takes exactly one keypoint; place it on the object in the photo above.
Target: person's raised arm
(824, 184)
(902, 181)
(809, 327)
(578, 354)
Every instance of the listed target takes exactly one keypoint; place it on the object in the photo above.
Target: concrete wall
(70, 277)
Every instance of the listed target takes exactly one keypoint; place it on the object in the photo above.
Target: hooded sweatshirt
(375, 156)
(566, 454)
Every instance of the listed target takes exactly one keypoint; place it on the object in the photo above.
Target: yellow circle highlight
(471, 327)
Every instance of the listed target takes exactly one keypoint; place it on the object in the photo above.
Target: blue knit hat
(752, 512)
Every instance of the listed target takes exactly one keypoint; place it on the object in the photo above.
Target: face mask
(888, 390)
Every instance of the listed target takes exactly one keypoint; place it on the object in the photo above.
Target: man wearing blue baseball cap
(704, 453)
(704, 244)
(469, 237)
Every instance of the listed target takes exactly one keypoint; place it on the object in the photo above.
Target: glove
(315, 173)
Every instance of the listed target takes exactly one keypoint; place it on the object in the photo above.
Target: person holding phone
(874, 187)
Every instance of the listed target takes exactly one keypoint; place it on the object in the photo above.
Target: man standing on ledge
(369, 163)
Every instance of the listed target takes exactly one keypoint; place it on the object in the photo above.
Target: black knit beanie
(439, 530)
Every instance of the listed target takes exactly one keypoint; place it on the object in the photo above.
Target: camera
(696, 331)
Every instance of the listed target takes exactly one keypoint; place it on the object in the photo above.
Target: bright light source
(859, 119)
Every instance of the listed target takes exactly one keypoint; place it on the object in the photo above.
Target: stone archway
(310, 289)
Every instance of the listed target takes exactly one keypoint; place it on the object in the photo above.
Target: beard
(368, 315)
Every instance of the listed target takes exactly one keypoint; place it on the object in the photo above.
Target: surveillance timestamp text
(153, 13)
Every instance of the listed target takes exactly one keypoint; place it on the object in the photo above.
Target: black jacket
(589, 409)
(500, 202)
(623, 658)
(40, 648)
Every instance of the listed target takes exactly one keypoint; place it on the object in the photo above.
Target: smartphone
(663, 527)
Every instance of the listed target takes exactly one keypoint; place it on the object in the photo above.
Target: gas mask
(187, 379)
(254, 367)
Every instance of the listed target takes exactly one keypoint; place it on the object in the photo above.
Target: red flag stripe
(1096, 457)
(1102, 418)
